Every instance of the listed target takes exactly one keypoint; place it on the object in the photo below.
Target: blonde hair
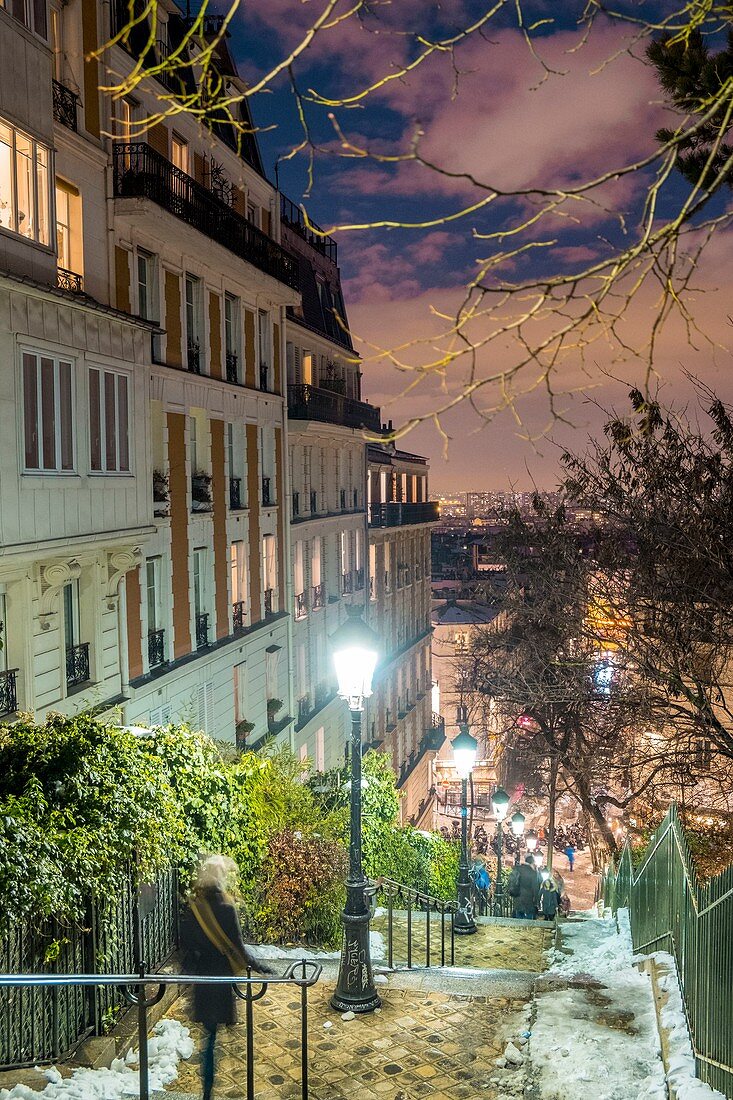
(215, 871)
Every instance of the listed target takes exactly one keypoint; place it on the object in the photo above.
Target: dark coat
(528, 880)
(214, 1004)
(549, 899)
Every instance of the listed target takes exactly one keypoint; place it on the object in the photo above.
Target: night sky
(562, 111)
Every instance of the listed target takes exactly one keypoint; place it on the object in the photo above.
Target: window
(299, 569)
(71, 614)
(161, 716)
(193, 322)
(253, 214)
(239, 573)
(308, 368)
(205, 706)
(199, 581)
(231, 336)
(109, 416)
(272, 665)
(31, 13)
(372, 572)
(147, 305)
(57, 43)
(63, 227)
(48, 413)
(152, 588)
(316, 567)
(129, 110)
(269, 562)
(24, 185)
(264, 339)
(179, 153)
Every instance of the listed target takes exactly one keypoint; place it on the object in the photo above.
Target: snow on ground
(169, 1043)
(597, 1042)
(377, 945)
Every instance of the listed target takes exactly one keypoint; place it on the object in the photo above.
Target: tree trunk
(596, 815)
(551, 813)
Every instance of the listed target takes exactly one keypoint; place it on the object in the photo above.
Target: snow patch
(377, 946)
(170, 1042)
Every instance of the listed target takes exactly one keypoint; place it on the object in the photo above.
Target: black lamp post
(464, 756)
(355, 651)
(500, 803)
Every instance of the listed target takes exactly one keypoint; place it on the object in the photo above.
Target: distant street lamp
(531, 840)
(500, 803)
(517, 823)
(464, 757)
(355, 651)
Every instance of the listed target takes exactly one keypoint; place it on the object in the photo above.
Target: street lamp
(355, 651)
(517, 823)
(464, 757)
(500, 803)
(531, 841)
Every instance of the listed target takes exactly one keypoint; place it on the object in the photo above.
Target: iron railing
(296, 505)
(64, 105)
(265, 378)
(306, 402)
(314, 502)
(45, 1024)
(301, 605)
(193, 357)
(201, 492)
(420, 909)
(401, 514)
(347, 583)
(268, 600)
(319, 596)
(238, 616)
(304, 708)
(342, 500)
(69, 280)
(77, 665)
(156, 648)
(142, 172)
(131, 987)
(202, 629)
(232, 369)
(359, 578)
(8, 691)
(235, 493)
(266, 498)
(670, 911)
(292, 216)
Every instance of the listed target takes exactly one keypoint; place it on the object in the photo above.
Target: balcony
(8, 691)
(266, 492)
(359, 579)
(65, 103)
(77, 665)
(235, 494)
(141, 172)
(238, 617)
(306, 402)
(432, 741)
(268, 600)
(347, 583)
(292, 216)
(202, 630)
(402, 514)
(319, 596)
(304, 708)
(156, 648)
(201, 492)
(301, 606)
(232, 367)
(69, 280)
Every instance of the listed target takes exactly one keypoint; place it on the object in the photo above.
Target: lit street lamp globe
(464, 752)
(500, 803)
(355, 649)
(517, 823)
(531, 840)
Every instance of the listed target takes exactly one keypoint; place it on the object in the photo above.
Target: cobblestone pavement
(505, 945)
(419, 1044)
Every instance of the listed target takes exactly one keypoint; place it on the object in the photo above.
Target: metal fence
(133, 988)
(670, 911)
(416, 937)
(43, 1023)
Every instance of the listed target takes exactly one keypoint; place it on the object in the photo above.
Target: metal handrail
(420, 901)
(133, 990)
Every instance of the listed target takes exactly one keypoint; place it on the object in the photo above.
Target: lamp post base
(355, 990)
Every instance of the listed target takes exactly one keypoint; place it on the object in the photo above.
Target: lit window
(109, 417)
(48, 413)
(24, 185)
(179, 153)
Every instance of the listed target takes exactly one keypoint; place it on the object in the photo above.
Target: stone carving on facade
(53, 577)
(119, 562)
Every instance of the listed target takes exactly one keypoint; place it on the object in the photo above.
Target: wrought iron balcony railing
(232, 369)
(402, 514)
(235, 494)
(359, 579)
(77, 665)
(269, 601)
(265, 378)
(8, 691)
(156, 648)
(193, 357)
(347, 582)
(296, 505)
(266, 498)
(292, 216)
(304, 707)
(238, 616)
(69, 280)
(142, 172)
(202, 630)
(301, 606)
(65, 103)
(306, 402)
(314, 503)
(342, 500)
(319, 596)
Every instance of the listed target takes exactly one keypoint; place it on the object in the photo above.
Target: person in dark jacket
(211, 939)
(523, 887)
(549, 899)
